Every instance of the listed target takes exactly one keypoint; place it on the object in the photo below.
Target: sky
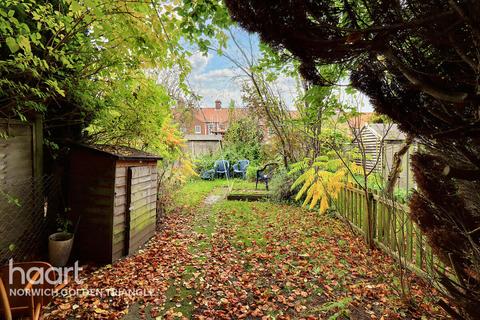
(215, 76)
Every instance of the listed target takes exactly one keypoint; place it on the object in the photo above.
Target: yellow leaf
(100, 311)
(323, 205)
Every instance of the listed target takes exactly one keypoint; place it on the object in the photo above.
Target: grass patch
(239, 184)
(302, 243)
(179, 299)
(194, 192)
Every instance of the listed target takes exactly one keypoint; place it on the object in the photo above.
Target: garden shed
(381, 142)
(113, 195)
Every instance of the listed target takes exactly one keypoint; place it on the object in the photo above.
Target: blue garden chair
(222, 167)
(241, 168)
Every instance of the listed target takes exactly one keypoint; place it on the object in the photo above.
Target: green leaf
(12, 44)
(24, 43)
(75, 6)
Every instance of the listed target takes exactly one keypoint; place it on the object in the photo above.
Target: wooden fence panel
(393, 229)
(23, 190)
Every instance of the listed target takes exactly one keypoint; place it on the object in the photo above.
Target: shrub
(281, 184)
(402, 195)
(205, 162)
(252, 172)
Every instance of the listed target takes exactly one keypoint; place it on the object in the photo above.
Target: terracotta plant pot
(59, 248)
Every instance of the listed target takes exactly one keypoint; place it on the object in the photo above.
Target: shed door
(142, 197)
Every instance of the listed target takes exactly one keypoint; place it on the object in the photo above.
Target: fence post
(368, 216)
(409, 238)
(387, 225)
(380, 227)
(419, 248)
(354, 207)
(374, 213)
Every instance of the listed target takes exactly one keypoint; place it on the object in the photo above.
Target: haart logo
(40, 275)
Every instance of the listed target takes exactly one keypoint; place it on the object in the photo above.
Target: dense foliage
(137, 115)
(418, 61)
(82, 66)
(86, 64)
(243, 140)
(64, 58)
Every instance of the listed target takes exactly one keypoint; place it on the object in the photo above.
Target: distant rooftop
(360, 119)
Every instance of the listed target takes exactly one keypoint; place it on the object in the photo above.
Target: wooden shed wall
(120, 209)
(143, 203)
(135, 189)
(91, 195)
(385, 153)
(405, 179)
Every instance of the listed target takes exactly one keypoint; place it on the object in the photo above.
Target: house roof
(220, 115)
(360, 120)
(120, 152)
(217, 115)
(389, 131)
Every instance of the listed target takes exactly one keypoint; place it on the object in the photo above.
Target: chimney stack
(218, 104)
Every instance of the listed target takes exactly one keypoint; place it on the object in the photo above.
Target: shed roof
(120, 152)
(389, 131)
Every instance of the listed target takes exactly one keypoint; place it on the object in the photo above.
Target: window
(211, 127)
(198, 129)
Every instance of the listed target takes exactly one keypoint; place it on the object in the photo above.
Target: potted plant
(60, 243)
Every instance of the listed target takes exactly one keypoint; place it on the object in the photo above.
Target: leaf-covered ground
(253, 260)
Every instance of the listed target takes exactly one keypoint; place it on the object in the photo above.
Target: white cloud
(225, 83)
(214, 84)
(224, 89)
(287, 89)
(198, 62)
(214, 75)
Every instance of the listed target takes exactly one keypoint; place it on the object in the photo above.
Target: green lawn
(194, 191)
(325, 271)
(254, 260)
